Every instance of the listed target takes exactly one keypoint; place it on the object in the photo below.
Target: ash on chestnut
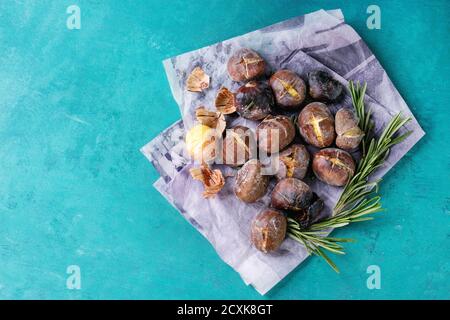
(289, 89)
(333, 166)
(316, 125)
(323, 87)
(245, 64)
(254, 100)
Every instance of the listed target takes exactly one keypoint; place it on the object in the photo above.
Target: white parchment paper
(319, 40)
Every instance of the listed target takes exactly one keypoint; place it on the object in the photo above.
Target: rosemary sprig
(357, 93)
(359, 198)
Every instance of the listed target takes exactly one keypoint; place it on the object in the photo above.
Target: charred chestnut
(239, 145)
(254, 100)
(293, 162)
(274, 133)
(268, 230)
(289, 89)
(291, 194)
(245, 64)
(310, 215)
(316, 124)
(323, 87)
(333, 166)
(251, 184)
(349, 135)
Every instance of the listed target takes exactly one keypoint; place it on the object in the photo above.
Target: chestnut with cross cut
(274, 133)
(333, 166)
(289, 89)
(268, 230)
(245, 64)
(316, 125)
(293, 162)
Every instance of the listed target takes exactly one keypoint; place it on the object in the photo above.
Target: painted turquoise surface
(76, 106)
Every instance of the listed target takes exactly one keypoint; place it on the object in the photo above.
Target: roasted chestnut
(293, 162)
(274, 133)
(268, 230)
(291, 194)
(245, 64)
(316, 124)
(251, 184)
(254, 100)
(311, 214)
(333, 166)
(289, 89)
(239, 145)
(349, 135)
(323, 87)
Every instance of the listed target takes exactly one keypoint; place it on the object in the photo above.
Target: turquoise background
(76, 106)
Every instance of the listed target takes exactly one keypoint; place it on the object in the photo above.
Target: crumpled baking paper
(319, 40)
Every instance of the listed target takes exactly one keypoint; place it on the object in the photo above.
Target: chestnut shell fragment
(245, 64)
(275, 127)
(254, 100)
(225, 101)
(251, 184)
(316, 125)
(323, 87)
(268, 230)
(333, 166)
(197, 80)
(289, 89)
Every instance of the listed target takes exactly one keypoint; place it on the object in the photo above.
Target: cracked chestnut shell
(333, 166)
(291, 194)
(289, 89)
(254, 100)
(293, 162)
(245, 64)
(323, 87)
(349, 135)
(251, 184)
(316, 125)
(239, 145)
(274, 133)
(268, 230)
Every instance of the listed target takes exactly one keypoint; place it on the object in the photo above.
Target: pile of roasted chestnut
(279, 105)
